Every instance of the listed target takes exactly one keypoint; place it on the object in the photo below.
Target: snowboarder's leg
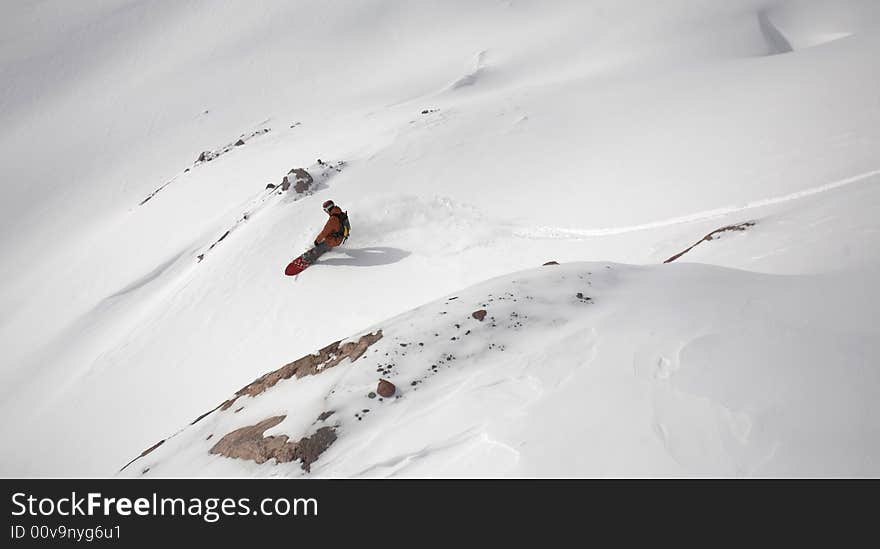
(312, 255)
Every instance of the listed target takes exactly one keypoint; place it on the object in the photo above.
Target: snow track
(552, 233)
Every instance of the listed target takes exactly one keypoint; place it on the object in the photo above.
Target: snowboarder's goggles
(328, 207)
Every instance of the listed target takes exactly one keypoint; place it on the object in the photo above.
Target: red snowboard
(296, 266)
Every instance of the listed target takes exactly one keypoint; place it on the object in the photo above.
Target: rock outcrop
(299, 178)
(326, 358)
(712, 235)
(249, 443)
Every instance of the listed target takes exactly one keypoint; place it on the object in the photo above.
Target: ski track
(551, 233)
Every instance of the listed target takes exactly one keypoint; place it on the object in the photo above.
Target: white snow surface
(470, 142)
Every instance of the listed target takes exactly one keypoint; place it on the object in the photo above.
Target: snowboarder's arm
(331, 226)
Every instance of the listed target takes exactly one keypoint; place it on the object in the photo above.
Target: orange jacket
(333, 225)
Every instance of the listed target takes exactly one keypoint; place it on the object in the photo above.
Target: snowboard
(296, 266)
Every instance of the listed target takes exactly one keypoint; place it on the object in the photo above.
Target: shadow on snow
(365, 257)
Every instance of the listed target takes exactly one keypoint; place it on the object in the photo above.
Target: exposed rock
(299, 178)
(326, 358)
(386, 388)
(325, 415)
(550, 263)
(145, 452)
(249, 443)
(239, 143)
(310, 448)
(206, 156)
(710, 236)
(479, 315)
(270, 186)
(303, 180)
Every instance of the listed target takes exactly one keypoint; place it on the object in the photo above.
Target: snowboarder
(335, 232)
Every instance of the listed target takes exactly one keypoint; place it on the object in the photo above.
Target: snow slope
(477, 139)
(587, 368)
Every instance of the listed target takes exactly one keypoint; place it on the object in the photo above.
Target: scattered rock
(237, 410)
(386, 388)
(209, 436)
(270, 185)
(479, 315)
(371, 395)
(239, 143)
(325, 415)
(550, 263)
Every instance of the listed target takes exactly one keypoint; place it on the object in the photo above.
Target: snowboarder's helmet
(328, 205)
